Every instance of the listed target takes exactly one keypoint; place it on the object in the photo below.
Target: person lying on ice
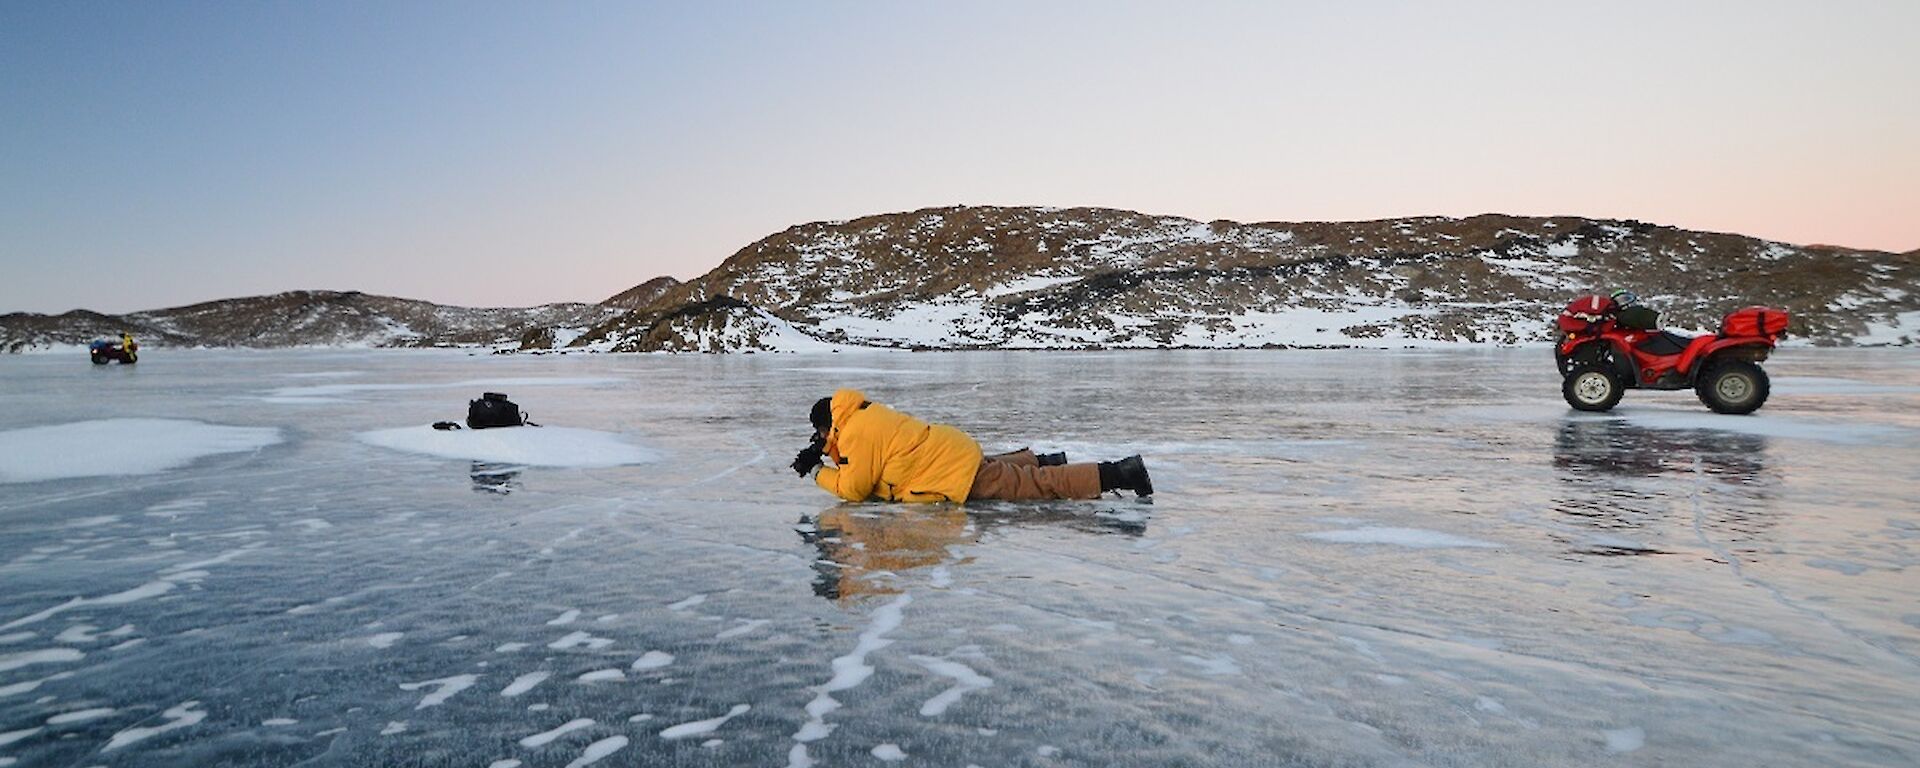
(881, 453)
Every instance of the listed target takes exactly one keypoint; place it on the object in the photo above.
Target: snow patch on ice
(443, 689)
(602, 676)
(28, 686)
(1218, 665)
(700, 727)
(1625, 739)
(1842, 566)
(546, 737)
(525, 446)
(965, 681)
(80, 716)
(524, 683)
(653, 660)
(746, 625)
(890, 753)
(599, 750)
(580, 639)
(227, 557)
(385, 639)
(1701, 625)
(118, 447)
(183, 715)
(13, 661)
(148, 590)
(1400, 537)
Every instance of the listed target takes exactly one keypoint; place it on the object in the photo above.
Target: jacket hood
(845, 403)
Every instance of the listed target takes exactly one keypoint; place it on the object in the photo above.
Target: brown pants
(1018, 476)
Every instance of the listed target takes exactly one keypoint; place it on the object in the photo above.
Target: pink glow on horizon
(203, 152)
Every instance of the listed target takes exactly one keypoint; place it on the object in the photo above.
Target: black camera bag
(493, 410)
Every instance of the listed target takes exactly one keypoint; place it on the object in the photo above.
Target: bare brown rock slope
(641, 295)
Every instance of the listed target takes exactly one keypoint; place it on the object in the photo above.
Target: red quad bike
(1600, 357)
(124, 351)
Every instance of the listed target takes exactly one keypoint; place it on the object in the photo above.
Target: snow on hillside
(990, 277)
(1901, 330)
(726, 329)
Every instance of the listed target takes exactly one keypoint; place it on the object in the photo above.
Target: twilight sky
(160, 153)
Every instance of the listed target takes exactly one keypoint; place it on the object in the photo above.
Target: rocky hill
(1014, 278)
(305, 318)
(992, 277)
(641, 295)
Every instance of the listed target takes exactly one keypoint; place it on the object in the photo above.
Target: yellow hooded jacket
(885, 454)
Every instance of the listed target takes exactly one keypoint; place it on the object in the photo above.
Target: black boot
(1128, 474)
(1051, 459)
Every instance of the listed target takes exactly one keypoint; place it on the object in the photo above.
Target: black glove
(809, 457)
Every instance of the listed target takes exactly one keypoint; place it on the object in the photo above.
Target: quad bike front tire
(1592, 387)
(1732, 386)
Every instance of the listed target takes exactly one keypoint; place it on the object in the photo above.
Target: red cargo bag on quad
(1755, 321)
(1584, 313)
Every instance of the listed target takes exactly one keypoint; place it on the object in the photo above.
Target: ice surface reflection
(500, 479)
(1354, 558)
(869, 549)
(1619, 479)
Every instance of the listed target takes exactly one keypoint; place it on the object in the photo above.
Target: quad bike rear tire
(1592, 387)
(1732, 386)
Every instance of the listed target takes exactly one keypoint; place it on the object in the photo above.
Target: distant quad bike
(124, 351)
(1605, 349)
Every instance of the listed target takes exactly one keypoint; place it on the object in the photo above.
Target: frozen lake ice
(1356, 558)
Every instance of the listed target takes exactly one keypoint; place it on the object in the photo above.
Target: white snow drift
(119, 447)
(525, 446)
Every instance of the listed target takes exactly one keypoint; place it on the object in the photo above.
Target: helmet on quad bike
(1624, 299)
